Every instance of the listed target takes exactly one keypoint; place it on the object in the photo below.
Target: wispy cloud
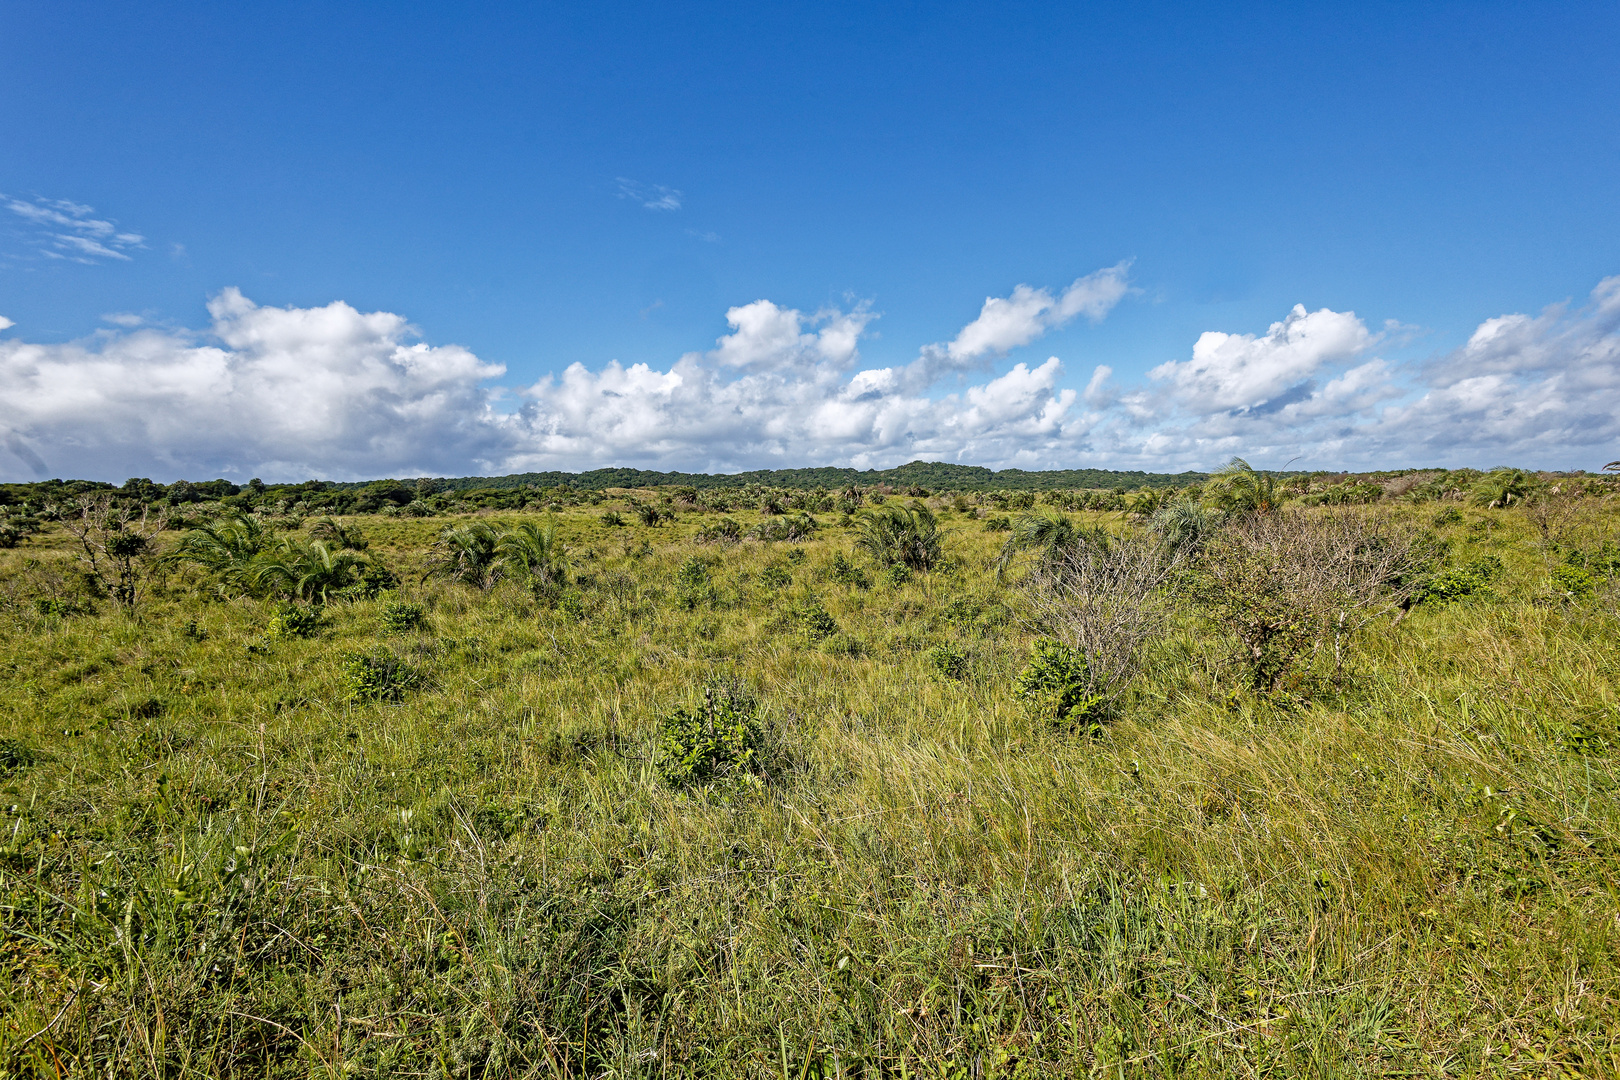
(650, 196)
(61, 229)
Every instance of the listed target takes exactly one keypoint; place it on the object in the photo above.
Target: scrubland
(444, 830)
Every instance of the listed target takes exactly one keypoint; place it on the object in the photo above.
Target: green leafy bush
(844, 571)
(379, 677)
(57, 607)
(612, 519)
(15, 756)
(775, 577)
(814, 620)
(399, 617)
(1449, 516)
(292, 621)
(1460, 582)
(720, 739)
(1058, 687)
(692, 585)
(724, 531)
(897, 575)
(947, 661)
(1574, 582)
(998, 523)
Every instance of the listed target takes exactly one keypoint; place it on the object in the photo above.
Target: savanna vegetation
(1235, 775)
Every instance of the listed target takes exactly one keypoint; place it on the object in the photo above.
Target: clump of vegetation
(15, 756)
(721, 739)
(947, 661)
(843, 571)
(897, 575)
(1472, 580)
(906, 536)
(998, 523)
(693, 586)
(1059, 687)
(612, 519)
(775, 576)
(379, 677)
(402, 617)
(1447, 517)
(58, 607)
(724, 531)
(293, 621)
(789, 528)
(814, 621)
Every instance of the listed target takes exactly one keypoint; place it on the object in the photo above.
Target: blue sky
(527, 187)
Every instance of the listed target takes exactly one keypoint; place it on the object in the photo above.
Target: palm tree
(1236, 488)
(229, 549)
(534, 552)
(307, 570)
(894, 534)
(466, 553)
(1183, 524)
(1501, 488)
(343, 536)
(1044, 530)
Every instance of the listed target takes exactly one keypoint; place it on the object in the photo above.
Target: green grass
(215, 860)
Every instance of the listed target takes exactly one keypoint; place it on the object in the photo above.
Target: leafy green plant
(650, 515)
(15, 756)
(843, 570)
(947, 661)
(693, 588)
(1058, 686)
(1459, 582)
(612, 519)
(1574, 582)
(814, 621)
(789, 528)
(1501, 488)
(379, 677)
(897, 575)
(467, 553)
(775, 576)
(998, 523)
(533, 554)
(58, 607)
(720, 739)
(401, 617)
(292, 621)
(1446, 517)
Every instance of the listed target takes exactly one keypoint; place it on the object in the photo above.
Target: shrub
(1058, 686)
(649, 514)
(400, 617)
(379, 677)
(375, 579)
(775, 576)
(612, 519)
(692, 585)
(897, 575)
(844, 571)
(814, 620)
(15, 756)
(947, 661)
(57, 607)
(1449, 516)
(720, 739)
(789, 528)
(999, 523)
(724, 531)
(1574, 582)
(1460, 582)
(292, 621)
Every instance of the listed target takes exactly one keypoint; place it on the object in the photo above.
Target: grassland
(213, 861)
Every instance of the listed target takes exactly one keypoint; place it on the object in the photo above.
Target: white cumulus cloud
(1006, 323)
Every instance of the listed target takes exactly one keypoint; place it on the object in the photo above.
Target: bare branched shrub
(1289, 584)
(1103, 597)
(115, 541)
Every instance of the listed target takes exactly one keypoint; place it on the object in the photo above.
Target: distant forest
(935, 475)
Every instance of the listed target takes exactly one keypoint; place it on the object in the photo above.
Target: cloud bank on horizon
(293, 393)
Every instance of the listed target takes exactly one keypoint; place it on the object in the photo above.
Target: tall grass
(216, 861)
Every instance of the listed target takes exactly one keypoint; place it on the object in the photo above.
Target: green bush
(720, 739)
(612, 519)
(844, 571)
(379, 677)
(1460, 582)
(998, 523)
(1449, 516)
(1058, 687)
(57, 607)
(292, 621)
(724, 531)
(775, 577)
(692, 585)
(15, 756)
(814, 620)
(897, 575)
(947, 661)
(1574, 582)
(399, 617)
